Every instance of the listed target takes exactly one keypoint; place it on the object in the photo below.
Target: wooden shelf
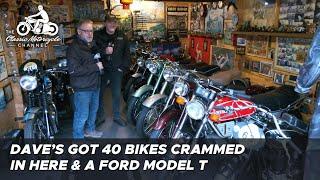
(275, 34)
(203, 35)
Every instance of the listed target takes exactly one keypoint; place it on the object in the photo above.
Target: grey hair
(84, 21)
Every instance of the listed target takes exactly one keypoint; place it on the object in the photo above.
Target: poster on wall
(229, 27)
(8, 93)
(214, 21)
(222, 57)
(3, 68)
(88, 9)
(291, 53)
(195, 18)
(316, 12)
(177, 21)
(257, 46)
(58, 13)
(297, 12)
(3, 103)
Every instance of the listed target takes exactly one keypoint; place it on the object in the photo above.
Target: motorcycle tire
(134, 106)
(28, 129)
(127, 89)
(143, 125)
(30, 132)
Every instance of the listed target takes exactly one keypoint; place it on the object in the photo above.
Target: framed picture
(256, 66)
(257, 46)
(3, 103)
(241, 42)
(292, 78)
(3, 68)
(223, 57)
(246, 64)
(241, 50)
(291, 53)
(1, 45)
(266, 69)
(278, 78)
(8, 93)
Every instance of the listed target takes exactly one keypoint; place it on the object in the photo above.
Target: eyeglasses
(86, 31)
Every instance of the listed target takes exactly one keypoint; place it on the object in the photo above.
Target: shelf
(275, 34)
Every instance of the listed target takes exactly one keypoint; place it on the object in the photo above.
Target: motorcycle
(156, 68)
(154, 105)
(232, 115)
(40, 115)
(137, 79)
(187, 86)
(24, 28)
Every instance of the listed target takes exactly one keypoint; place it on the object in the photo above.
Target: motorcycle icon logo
(38, 26)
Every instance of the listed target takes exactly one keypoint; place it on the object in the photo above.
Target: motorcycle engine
(247, 130)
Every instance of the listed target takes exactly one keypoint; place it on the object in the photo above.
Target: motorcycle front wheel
(147, 117)
(35, 128)
(168, 130)
(134, 106)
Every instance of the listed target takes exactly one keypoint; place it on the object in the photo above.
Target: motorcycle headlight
(28, 83)
(168, 74)
(140, 62)
(153, 68)
(181, 88)
(195, 109)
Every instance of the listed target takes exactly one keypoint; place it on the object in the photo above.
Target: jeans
(115, 78)
(86, 105)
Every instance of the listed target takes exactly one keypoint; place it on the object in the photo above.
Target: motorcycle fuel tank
(226, 108)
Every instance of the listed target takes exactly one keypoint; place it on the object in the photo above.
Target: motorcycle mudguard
(166, 116)
(142, 90)
(30, 113)
(135, 75)
(153, 99)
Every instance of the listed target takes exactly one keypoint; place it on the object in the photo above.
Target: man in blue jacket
(308, 75)
(84, 73)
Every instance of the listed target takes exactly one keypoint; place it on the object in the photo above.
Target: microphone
(97, 58)
(110, 44)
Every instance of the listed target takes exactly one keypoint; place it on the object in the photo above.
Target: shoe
(120, 122)
(93, 134)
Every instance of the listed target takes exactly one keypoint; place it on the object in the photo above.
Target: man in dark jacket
(113, 45)
(85, 80)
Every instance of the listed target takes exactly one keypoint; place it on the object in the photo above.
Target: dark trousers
(115, 78)
(312, 155)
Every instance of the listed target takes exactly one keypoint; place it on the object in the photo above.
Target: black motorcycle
(40, 115)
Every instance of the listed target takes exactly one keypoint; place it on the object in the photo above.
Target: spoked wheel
(35, 128)
(147, 117)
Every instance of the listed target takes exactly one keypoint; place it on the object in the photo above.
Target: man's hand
(109, 50)
(100, 66)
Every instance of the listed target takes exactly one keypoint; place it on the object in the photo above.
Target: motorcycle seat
(225, 77)
(277, 99)
(209, 70)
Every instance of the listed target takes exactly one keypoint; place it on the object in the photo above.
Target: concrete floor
(109, 128)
